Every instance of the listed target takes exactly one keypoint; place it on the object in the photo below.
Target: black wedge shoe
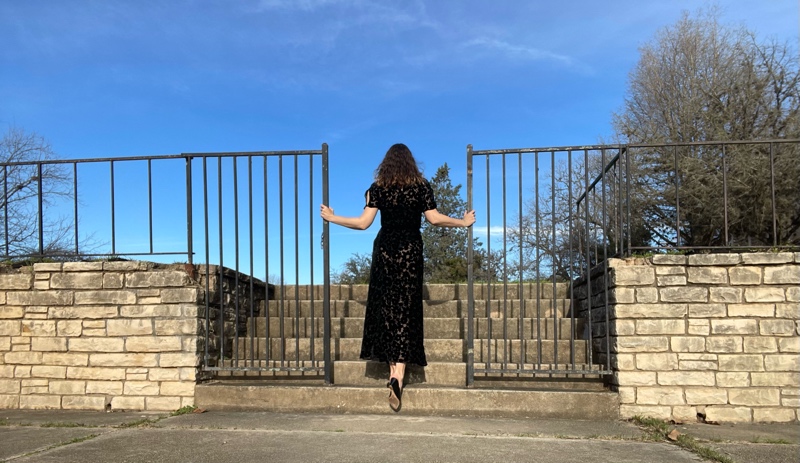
(395, 394)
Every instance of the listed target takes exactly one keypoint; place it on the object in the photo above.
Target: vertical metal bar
(556, 326)
(326, 275)
(150, 200)
(488, 351)
(537, 279)
(221, 264)
(772, 190)
(189, 207)
(280, 239)
(296, 267)
(236, 260)
(267, 338)
(314, 331)
(40, 200)
(570, 260)
(605, 254)
(725, 192)
(505, 271)
(588, 262)
(251, 321)
(627, 195)
(74, 207)
(677, 199)
(113, 218)
(521, 308)
(470, 281)
(207, 333)
(5, 206)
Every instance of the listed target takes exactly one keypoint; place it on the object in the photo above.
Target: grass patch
(144, 422)
(760, 440)
(658, 430)
(62, 425)
(184, 410)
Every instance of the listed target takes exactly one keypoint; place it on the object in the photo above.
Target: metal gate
(522, 318)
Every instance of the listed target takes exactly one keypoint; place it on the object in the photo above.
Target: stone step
(434, 328)
(498, 403)
(481, 291)
(430, 309)
(436, 350)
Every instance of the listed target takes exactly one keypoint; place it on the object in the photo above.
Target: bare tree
(30, 183)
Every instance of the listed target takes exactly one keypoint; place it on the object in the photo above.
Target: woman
(393, 321)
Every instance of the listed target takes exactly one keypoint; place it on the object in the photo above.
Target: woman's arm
(357, 223)
(440, 220)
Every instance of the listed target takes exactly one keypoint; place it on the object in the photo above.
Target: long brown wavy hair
(398, 168)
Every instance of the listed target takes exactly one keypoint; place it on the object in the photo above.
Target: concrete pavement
(78, 436)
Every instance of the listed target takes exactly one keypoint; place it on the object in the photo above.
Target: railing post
(326, 263)
(470, 282)
(189, 234)
(40, 199)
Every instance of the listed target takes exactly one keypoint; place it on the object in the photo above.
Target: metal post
(326, 263)
(189, 231)
(470, 281)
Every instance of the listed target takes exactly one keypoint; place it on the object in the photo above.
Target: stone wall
(713, 336)
(108, 335)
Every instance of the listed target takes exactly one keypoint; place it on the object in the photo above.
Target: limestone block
(792, 402)
(104, 387)
(22, 371)
(760, 344)
(15, 281)
(90, 312)
(94, 332)
(40, 402)
(182, 388)
(775, 379)
(707, 275)
(49, 344)
(66, 359)
(649, 311)
(47, 267)
(659, 396)
(745, 275)
(637, 378)
(707, 311)
(686, 378)
(688, 344)
(188, 374)
(715, 259)
(180, 295)
(49, 371)
(162, 403)
(729, 414)
(151, 310)
(698, 327)
(632, 276)
(11, 312)
(739, 326)
(105, 297)
(726, 295)
(657, 362)
(754, 396)
(149, 299)
(179, 360)
(789, 345)
(126, 266)
(759, 258)
(776, 327)
(623, 362)
(733, 379)
(95, 324)
(793, 294)
(83, 402)
(76, 281)
(9, 386)
(782, 275)
(10, 327)
(126, 359)
(741, 362)
(773, 415)
(129, 327)
(140, 388)
(127, 403)
(676, 270)
(642, 344)
(751, 310)
(706, 396)
(5, 343)
(41, 285)
(623, 328)
(192, 344)
(67, 387)
(38, 328)
(175, 327)
(789, 310)
(48, 298)
(23, 358)
(661, 412)
(69, 328)
(191, 310)
(660, 326)
(136, 376)
(96, 373)
(646, 295)
(671, 280)
(187, 401)
(159, 279)
(112, 281)
(764, 294)
(684, 414)
(96, 345)
(782, 362)
(668, 259)
(683, 294)
(153, 344)
(163, 374)
(622, 295)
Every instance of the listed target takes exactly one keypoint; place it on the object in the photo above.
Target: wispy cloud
(522, 53)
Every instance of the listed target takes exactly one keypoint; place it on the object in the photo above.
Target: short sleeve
(428, 201)
(371, 196)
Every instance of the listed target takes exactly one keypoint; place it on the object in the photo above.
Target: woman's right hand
(469, 218)
(326, 212)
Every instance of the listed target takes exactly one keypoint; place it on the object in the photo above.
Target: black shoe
(395, 394)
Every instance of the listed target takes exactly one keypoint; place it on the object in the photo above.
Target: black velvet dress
(393, 322)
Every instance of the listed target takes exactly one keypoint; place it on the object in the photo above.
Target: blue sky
(125, 78)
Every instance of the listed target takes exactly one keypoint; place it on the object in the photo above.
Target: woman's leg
(399, 372)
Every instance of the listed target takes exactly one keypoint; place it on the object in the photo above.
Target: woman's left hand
(326, 212)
